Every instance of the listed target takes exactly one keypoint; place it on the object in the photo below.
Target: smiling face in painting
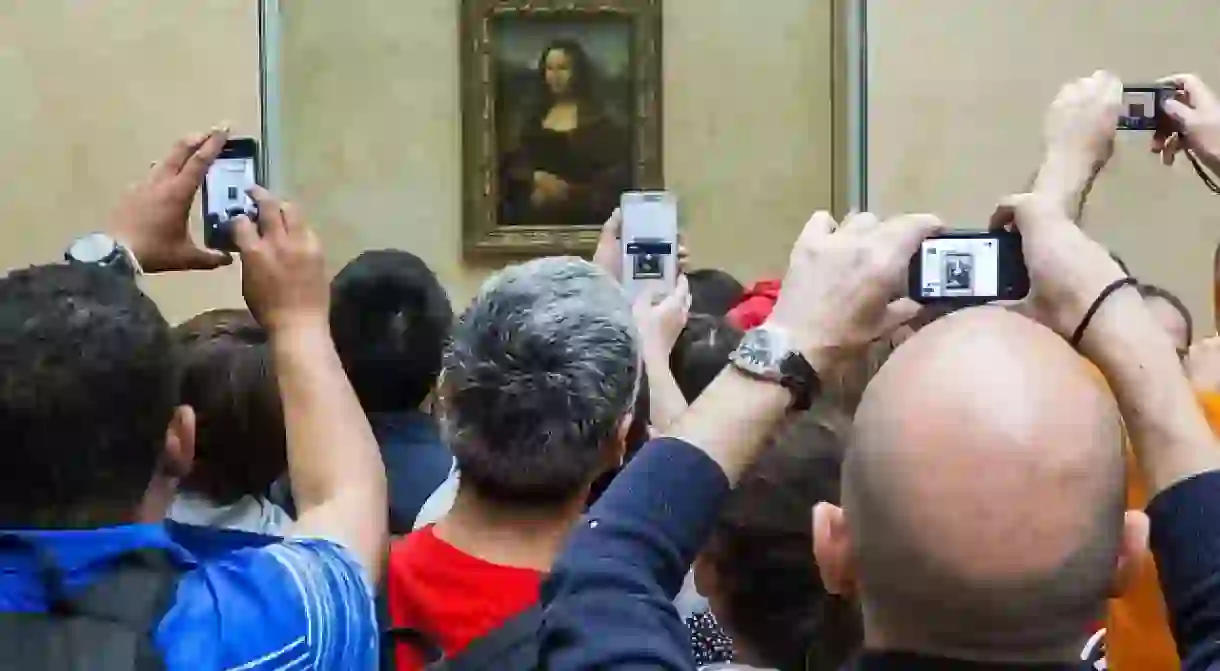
(558, 71)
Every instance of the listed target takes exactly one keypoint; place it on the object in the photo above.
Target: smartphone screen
(650, 242)
(969, 267)
(225, 190)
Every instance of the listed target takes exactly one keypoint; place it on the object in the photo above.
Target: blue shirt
(244, 603)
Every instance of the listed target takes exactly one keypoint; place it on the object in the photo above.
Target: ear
(832, 549)
(1133, 557)
(707, 581)
(179, 443)
(616, 451)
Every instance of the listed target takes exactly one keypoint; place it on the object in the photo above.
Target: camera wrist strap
(1202, 172)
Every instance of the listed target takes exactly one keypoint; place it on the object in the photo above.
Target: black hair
(1121, 264)
(1153, 291)
(228, 380)
(762, 545)
(87, 392)
(713, 292)
(390, 318)
(701, 352)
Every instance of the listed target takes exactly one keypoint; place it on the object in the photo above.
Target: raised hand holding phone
(1194, 110)
(283, 274)
(649, 242)
(151, 216)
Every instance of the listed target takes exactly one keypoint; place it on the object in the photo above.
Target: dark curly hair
(762, 551)
(88, 388)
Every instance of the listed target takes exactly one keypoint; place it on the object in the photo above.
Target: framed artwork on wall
(561, 106)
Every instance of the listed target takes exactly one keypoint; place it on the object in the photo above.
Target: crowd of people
(813, 473)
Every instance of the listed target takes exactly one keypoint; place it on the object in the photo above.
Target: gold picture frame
(511, 152)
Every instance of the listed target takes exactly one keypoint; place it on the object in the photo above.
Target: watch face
(757, 350)
(93, 248)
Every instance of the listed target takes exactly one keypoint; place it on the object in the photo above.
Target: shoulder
(296, 602)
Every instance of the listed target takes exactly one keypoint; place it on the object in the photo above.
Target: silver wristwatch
(766, 353)
(102, 250)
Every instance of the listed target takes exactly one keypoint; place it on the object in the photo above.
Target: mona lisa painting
(561, 105)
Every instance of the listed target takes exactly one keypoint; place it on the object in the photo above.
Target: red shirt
(755, 306)
(450, 595)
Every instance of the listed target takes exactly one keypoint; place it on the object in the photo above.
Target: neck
(873, 660)
(972, 656)
(519, 537)
(157, 500)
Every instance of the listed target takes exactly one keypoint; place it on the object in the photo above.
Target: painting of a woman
(568, 159)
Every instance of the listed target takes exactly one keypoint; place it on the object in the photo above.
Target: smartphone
(1143, 107)
(969, 268)
(649, 242)
(224, 191)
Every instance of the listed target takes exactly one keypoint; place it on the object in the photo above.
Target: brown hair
(228, 380)
(762, 551)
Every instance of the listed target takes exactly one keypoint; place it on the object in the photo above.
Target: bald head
(984, 488)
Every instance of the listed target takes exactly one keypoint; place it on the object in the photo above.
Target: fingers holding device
(226, 190)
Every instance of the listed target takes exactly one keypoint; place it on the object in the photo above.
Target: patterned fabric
(245, 602)
(708, 641)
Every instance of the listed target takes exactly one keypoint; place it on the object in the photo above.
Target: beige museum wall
(956, 97)
(372, 126)
(95, 91)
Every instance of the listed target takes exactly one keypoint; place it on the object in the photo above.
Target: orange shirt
(1137, 625)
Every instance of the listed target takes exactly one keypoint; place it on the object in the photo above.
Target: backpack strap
(111, 622)
(495, 649)
(428, 649)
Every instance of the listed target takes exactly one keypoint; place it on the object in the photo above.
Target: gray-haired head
(541, 371)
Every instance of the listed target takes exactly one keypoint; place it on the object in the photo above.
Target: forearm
(666, 402)
(733, 419)
(334, 463)
(1067, 180)
(1169, 433)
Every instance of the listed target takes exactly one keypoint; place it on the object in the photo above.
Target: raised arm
(660, 324)
(609, 599)
(1078, 136)
(338, 479)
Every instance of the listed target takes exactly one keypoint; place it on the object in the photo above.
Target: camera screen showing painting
(960, 267)
(563, 99)
(1139, 109)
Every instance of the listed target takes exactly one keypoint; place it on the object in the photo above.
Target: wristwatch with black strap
(766, 353)
(104, 251)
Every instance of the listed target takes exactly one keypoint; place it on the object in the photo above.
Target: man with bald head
(997, 478)
(983, 523)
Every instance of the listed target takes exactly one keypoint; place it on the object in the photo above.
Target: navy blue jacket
(416, 461)
(609, 598)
